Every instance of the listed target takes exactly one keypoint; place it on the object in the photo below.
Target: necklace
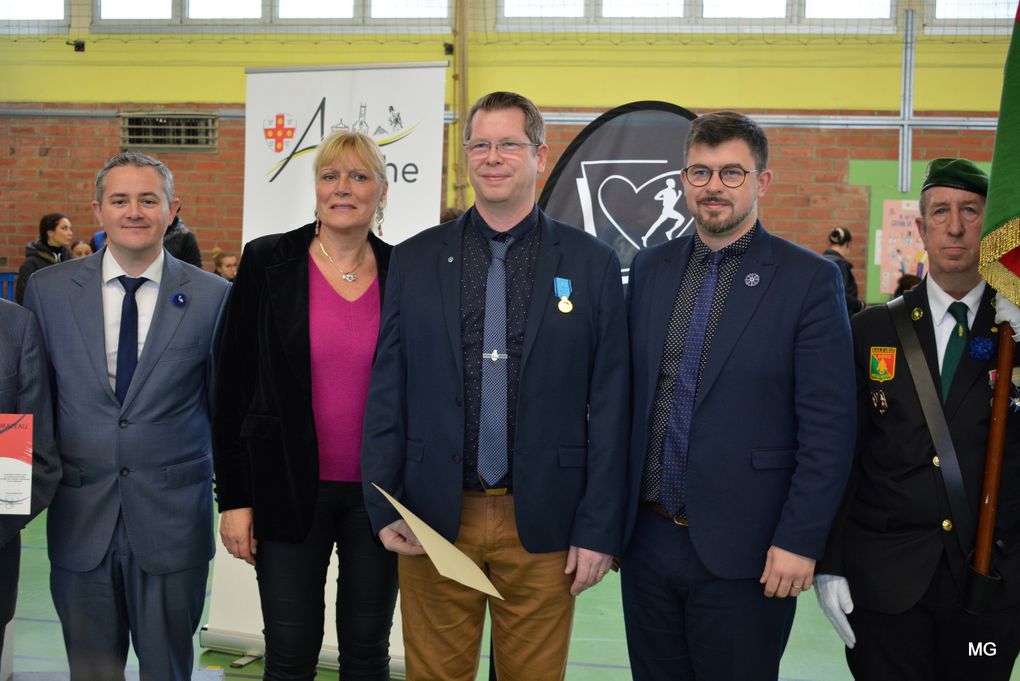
(346, 276)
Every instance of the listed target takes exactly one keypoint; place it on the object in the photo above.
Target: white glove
(834, 598)
(1006, 311)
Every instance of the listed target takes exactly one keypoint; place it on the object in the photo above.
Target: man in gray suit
(24, 389)
(129, 332)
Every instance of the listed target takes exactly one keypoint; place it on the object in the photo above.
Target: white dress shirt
(113, 300)
(943, 321)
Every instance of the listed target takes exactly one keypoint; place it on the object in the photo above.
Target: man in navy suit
(743, 424)
(498, 412)
(129, 334)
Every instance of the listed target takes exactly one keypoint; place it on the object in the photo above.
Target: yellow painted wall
(964, 76)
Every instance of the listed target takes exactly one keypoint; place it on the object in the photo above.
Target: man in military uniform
(893, 576)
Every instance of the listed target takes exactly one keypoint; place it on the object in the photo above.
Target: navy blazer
(569, 457)
(774, 417)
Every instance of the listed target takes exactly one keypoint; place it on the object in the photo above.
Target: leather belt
(659, 510)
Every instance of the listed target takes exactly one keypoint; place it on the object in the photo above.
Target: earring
(379, 218)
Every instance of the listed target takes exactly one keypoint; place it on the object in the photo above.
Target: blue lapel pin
(752, 280)
(179, 299)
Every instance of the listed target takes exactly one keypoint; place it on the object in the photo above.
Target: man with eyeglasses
(498, 412)
(743, 424)
(895, 573)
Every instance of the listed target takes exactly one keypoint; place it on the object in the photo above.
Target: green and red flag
(1000, 237)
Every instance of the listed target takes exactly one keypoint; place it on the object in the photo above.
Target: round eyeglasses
(479, 148)
(730, 176)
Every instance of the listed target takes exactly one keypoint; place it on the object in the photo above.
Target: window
(543, 8)
(224, 9)
(410, 9)
(744, 9)
(316, 9)
(642, 8)
(975, 9)
(135, 9)
(38, 10)
(848, 9)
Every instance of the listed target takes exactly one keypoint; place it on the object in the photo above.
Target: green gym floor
(598, 651)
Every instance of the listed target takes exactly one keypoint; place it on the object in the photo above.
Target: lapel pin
(179, 299)
(752, 280)
(450, 259)
(916, 313)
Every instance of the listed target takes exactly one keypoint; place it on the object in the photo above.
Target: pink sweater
(343, 336)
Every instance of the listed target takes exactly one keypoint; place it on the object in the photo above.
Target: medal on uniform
(562, 289)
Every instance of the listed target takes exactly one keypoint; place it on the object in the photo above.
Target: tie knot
(959, 312)
(498, 248)
(131, 284)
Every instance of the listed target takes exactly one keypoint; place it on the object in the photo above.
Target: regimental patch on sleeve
(882, 364)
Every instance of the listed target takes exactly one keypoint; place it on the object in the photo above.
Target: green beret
(958, 173)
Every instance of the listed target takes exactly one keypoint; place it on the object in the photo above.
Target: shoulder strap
(936, 420)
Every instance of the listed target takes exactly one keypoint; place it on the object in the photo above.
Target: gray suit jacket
(149, 459)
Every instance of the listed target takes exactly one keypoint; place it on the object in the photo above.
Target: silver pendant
(349, 277)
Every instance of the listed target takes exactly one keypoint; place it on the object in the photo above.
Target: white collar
(112, 268)
(939, 301)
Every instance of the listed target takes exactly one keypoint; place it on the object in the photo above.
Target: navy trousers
(685, 624)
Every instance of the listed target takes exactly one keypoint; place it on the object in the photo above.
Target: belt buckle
(495, 491)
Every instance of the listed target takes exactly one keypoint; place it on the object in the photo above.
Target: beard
(718, 225)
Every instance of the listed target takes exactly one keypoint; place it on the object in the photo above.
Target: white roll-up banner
(289, 111)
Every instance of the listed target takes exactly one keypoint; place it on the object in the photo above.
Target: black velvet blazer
(264, 442)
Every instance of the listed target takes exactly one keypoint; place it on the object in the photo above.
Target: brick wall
(48, 164)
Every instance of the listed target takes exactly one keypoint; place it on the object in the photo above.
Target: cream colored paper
(448, 559)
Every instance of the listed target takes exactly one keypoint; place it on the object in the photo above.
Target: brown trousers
(443, 620)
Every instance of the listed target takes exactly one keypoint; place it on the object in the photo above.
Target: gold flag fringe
(1004, 239)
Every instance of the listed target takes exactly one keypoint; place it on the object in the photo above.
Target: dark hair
(715, 128)
(450, 213)
(840, 236)
(906, 282)
(534, 126)
(138, 160)
(49, 223)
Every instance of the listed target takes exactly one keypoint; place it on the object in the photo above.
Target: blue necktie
(493, 462)
(678, 429)
(127, 343)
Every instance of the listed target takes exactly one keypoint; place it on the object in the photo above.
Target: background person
(838, 251)
(224, 264)
(55, 235)
(181, 243)
(294, 365)
(81, 249)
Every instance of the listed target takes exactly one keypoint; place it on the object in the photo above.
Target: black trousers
(10, 560)
(292, 580)
(935, 640)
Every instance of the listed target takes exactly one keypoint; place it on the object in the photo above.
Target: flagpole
(993, 458)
